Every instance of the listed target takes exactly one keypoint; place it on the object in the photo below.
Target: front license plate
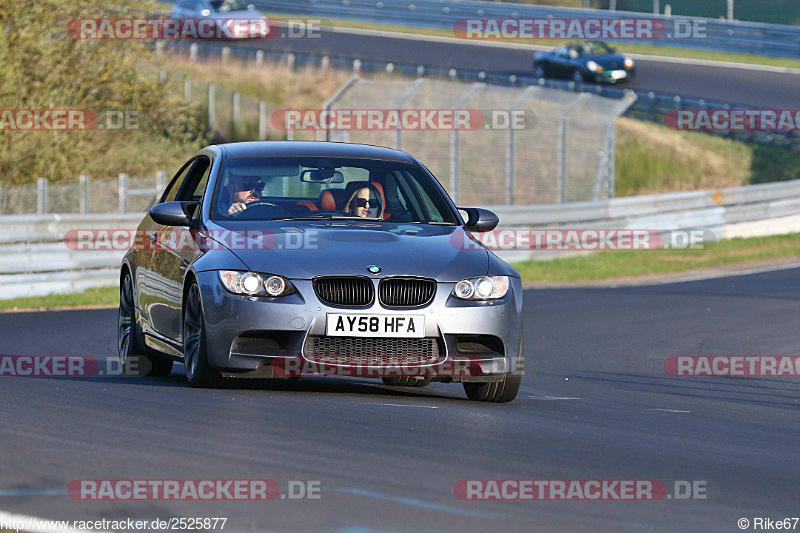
(619, 74)
(350, 325)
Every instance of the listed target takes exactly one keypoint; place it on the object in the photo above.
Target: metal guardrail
(35, 261)
(745, 37)
(650, 106)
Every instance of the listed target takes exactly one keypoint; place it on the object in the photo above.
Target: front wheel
(502, 391)
(195, 357)
(539, 71)
(134, 358)
(577, 77)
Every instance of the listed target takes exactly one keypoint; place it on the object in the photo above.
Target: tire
(498, 391)
(407, 381)
(577, 77)
(539, 70)
(195, 357)
(134, 357)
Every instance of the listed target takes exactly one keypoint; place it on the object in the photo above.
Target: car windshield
(224, 6)
(595, 49)
(310, 188)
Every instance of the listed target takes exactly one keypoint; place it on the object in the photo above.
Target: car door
(148, 248)
(561, 65)
(175, 251)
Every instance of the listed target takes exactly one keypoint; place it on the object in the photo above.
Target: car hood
(608, 61)
(304, 249)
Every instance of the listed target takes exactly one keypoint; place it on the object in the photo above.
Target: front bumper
(259, 337)
(611, 76)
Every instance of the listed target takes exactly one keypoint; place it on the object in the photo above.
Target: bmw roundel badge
(375, 269)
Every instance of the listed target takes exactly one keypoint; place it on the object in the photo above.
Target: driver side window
(174, 186)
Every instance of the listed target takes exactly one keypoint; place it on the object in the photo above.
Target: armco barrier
(34, 260)
(745, 37)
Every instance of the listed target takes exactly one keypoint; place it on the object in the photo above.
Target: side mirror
(479, 220)
(174, 213)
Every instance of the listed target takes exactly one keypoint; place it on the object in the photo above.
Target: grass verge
(602, 266)
(99, 297)
(629, 265)
(651, 158)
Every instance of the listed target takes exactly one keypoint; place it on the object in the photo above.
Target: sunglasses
(249, 186)
(363, 202)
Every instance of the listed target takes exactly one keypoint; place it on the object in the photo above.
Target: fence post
(162, 75)
(41, 195)
(511, 155)
(226, 54)
(455, 144)
(612, 5)
(259, 58)
(389, 69)
(211, 106)
(1, 198)
(123, 193)
(187, 88)
(237, 110)
(85, 185)
(290, 61)
(401, 103)
(356, 67)
(563, 122)
(656, 8)
(325, 65)
(262, 120)
(193, 52)
(730, 10)
(161, 182)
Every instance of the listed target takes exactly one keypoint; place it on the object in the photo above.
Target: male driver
(243, 190)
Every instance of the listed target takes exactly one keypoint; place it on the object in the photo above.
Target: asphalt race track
(596, 404)
(732, 85)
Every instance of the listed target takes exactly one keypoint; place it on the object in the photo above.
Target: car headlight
(628, 62)
(594, 67)
(254, 284)
(483, 288)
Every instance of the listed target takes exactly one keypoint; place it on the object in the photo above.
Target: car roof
(312, 148)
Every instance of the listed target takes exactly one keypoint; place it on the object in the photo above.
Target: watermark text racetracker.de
(71, 366)
(192, 490)
(210, 28)
(402, 119)
(733, 119)
(67, 119)
(580, 29)
(183, 239)
(579, 490)
(748, 366)
(566, 239)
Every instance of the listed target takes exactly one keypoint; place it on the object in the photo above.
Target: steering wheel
(260, 203)
(261, 208)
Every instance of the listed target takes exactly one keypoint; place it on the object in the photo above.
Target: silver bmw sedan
(280, 260)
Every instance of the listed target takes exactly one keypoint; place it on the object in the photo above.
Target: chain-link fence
(123, 195)
(563, 151)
